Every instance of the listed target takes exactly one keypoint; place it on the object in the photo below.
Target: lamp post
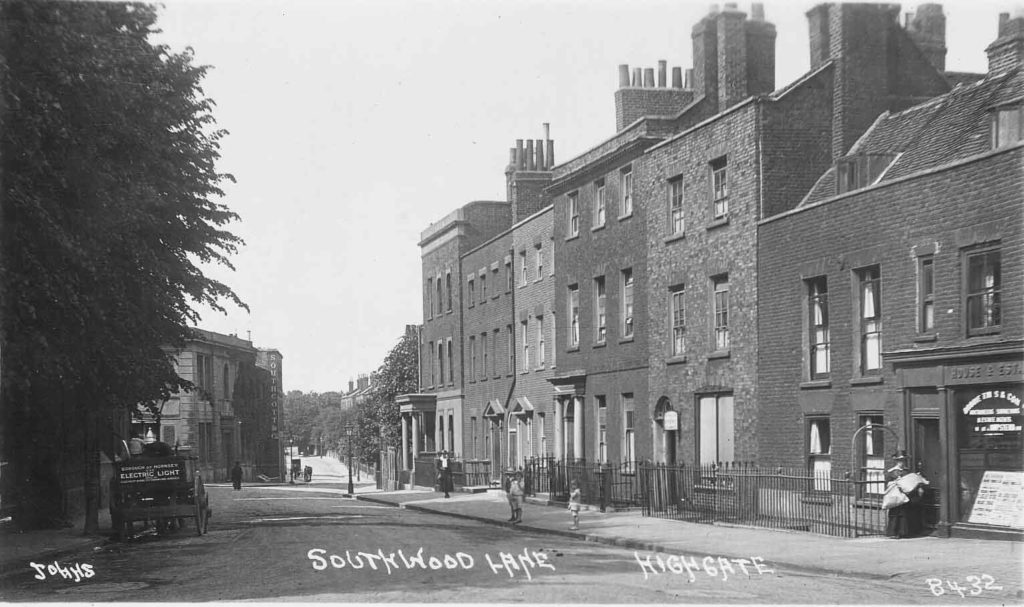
(348, 437)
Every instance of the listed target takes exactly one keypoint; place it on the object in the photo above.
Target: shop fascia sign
(994, 412)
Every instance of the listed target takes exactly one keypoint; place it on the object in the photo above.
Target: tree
(378, 414)
(109, 183)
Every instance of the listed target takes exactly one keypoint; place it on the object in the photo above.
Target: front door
(496, 466)
(929, 462)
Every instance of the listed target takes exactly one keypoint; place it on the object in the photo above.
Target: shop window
(984, 286)
(819, 449)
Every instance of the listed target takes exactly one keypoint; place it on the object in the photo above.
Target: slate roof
(947, 128)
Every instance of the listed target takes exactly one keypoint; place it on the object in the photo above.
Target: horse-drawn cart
(161, 490)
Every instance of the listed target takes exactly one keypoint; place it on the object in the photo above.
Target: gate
(389, 470)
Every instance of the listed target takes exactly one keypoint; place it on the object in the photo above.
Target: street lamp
(348, 437)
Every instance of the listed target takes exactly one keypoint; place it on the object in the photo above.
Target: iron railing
(747, 494)
(465, 473)
(604, 484)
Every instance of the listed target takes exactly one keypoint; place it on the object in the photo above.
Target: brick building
(706, 187)
(898, 321)
(433, 417)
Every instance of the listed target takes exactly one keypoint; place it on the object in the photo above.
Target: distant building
(232, 414)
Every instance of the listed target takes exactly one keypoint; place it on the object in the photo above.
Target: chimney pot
(648, 77)
(1004, 20)
(512, 157)
(689, 79)
(520, 159)
(677, 77)
(547, 131)
(637, 77)
(712, 9)
(623, 75)
(731, 6)
(540, 155)
(551, 154)
(531, 163)
(757, 11)
(662, 67)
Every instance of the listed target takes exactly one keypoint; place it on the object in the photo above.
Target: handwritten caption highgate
(514, 564)
(712, 566)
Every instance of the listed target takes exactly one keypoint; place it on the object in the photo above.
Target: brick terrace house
(433, 417)
(705, 188)
(897, 322)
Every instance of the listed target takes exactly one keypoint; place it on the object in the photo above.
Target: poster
(1000, 500)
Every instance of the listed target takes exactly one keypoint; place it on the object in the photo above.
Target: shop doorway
(928, 460)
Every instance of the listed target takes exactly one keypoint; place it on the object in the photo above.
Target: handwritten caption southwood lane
(712, 566)
(511, 563)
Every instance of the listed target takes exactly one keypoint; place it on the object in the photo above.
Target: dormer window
(1007, 126)
(860, 170)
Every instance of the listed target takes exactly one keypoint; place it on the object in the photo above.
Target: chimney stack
(1007, 52)
(927, 28)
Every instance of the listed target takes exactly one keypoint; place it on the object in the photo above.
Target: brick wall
(483, 316)
(945, 211)
(535, 299)
(708, 248)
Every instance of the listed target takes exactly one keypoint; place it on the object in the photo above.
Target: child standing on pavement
(574, 504)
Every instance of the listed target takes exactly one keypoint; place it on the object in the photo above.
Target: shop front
(963, 421)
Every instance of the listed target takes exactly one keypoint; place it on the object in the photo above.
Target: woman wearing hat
(904, 519)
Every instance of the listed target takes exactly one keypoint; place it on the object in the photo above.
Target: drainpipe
(512, 340)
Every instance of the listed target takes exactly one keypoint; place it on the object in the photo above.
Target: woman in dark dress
(905, 519)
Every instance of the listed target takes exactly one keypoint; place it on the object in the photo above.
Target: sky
(355, 124)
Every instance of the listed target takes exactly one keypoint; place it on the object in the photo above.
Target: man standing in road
(444, 474)
(236, 476)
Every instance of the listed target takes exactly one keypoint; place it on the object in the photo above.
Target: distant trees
(397, 375)
(108, 182)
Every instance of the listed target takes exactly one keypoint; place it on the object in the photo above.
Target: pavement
(913, 561)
